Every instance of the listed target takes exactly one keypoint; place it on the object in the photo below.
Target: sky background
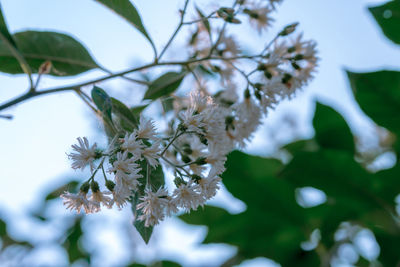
(34, 144)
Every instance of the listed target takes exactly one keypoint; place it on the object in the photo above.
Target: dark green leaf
(167, 104)
(156, 179)
(66, 54)
(273, 225)
(204, 21)
(102, 101)
(378, 94)
(72, 243)
(164, 85)
(70, 187)
(4, 33)
(331, 130)
(388, 17)
(127, 10)
(3, 228)
(128, 120)
(138, 110)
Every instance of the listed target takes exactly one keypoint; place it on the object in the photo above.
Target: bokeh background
(33, 145)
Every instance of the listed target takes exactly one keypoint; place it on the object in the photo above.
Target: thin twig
(176, 30)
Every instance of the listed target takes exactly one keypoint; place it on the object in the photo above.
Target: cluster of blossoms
(206, 127)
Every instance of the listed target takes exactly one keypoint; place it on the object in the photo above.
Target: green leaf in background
(127, 10)
(164, 85)
(137, 110)
(72, 243)
(204, 21)
(66, 54)
(102, 101)
(388, 17)
(128, 120)
(331, 130)
(378, 94)
(273, 225)
(156, 179)
(4, 33)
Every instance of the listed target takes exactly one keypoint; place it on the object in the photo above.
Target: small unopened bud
(247, 93)
(291, 49)
(45, 68)
(203, 140)
(268, 74)
(186, 159)
(110, 185)
(295, 66)
(289, 29)
(187, 150)
(229, 120)
(196, 178)
(257, 94)
(201, 161)
(98, 154)
(178, 181)
(258, 86)
(85, 187)
(261, 66)
(286, 78)
(94, 186)
(298, 57)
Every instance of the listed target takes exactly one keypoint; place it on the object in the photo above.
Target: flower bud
(94, 186)
(201, 161)
(85, 187)
(288, 29)
(110, 185)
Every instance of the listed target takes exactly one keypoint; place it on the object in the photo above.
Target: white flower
(124, 167)
(152, 206)
(260, 18)
(170, 207)
(132, 145)
(198, 101)
(146, 129)
(152, 153)
(77, 201)
(187, 196)
(84, 155)
(192, 121)
(101, 198)
(120, 195)
(209, 186)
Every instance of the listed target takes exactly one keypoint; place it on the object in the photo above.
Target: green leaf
(155, 177)
(72, 244)
(388, 17)
(127, 10)
(4, 33)
(137, 110)
(128, 120)
(331, 130)
(164, 85)
(70, 187)
(273, 225)
(204, 21)
(66, 54)
(102, 101)
(378, 94)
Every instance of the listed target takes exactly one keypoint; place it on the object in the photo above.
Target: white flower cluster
(206, 126)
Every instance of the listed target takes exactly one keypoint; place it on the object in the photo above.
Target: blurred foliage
(274, 225)
(388, 17)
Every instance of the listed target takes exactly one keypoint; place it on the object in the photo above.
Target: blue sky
(34, 143)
